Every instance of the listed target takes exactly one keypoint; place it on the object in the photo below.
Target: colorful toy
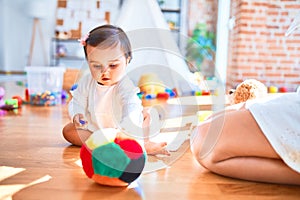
(283, 89)
(140, 95)
(13, 103)
(2, 94)
(151, 84)
(46, 98)
(74, 87)
(9, 104)
(113, 163)
(201, 93)
(248, 89)
(163, 95)
(273, 89)
(150, 96)
(2, 103)
(172, 93)
(19, 100)
(27, 95)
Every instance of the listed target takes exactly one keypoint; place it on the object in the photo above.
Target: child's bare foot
(153, 148)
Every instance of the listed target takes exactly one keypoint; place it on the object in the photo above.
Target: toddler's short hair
(106, 36)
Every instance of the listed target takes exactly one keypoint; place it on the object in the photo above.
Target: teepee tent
(154, 47)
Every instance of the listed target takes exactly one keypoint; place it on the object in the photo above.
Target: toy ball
(112, 163)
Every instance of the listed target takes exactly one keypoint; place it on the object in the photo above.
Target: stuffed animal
(248, 89)
(116, 162)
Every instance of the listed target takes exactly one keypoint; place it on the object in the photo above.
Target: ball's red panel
(86, 159)
(131, 147)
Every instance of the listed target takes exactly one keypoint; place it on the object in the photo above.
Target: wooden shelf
(65, 40)
(171, 10)
(69, 56)
(173, 14)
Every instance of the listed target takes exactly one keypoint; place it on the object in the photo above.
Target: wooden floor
(37, 163)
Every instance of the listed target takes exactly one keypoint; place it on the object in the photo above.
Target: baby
(106, 97)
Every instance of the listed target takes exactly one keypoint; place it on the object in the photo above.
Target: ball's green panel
(109, 160)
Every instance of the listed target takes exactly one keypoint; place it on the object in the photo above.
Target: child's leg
(75, 136)
(241, 151)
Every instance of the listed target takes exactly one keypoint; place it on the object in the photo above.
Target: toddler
(106, 97)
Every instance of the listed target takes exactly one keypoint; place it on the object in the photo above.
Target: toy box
(44, 85)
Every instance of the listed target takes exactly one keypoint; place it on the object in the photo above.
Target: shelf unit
(75, 18)
(67, 52)
(175, 15)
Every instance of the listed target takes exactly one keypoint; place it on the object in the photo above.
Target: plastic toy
(140, 95)
(172, 93)
(46, 98)
(2, 93)
(248, 89)
(201, 92)
(283, 89)
(151, 84)
(65, 97)
(12, 102)
(273, 89)
(115, 162)
(150, 96)
(74, 87)
(19, 100)
(163, 95)
(9, 104)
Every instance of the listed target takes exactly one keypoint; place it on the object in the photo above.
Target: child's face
(107, 66)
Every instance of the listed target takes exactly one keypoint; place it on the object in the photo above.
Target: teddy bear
(248, 89)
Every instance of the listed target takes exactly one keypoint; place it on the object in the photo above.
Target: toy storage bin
(44, 85)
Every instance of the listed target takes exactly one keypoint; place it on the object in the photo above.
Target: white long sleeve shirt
(116, 106)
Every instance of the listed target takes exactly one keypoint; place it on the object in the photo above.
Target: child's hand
(79, 121)
(153, 148)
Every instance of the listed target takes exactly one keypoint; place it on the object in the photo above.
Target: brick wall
(257, 45)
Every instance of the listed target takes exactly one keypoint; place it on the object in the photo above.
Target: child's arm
(152, 148)
(78, 104)
(136, 119)
(79, 121)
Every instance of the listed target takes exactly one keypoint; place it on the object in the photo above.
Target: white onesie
(116, 106)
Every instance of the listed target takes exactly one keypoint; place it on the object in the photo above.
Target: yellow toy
(151, 84)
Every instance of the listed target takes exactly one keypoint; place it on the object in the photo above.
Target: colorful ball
(114, 163)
